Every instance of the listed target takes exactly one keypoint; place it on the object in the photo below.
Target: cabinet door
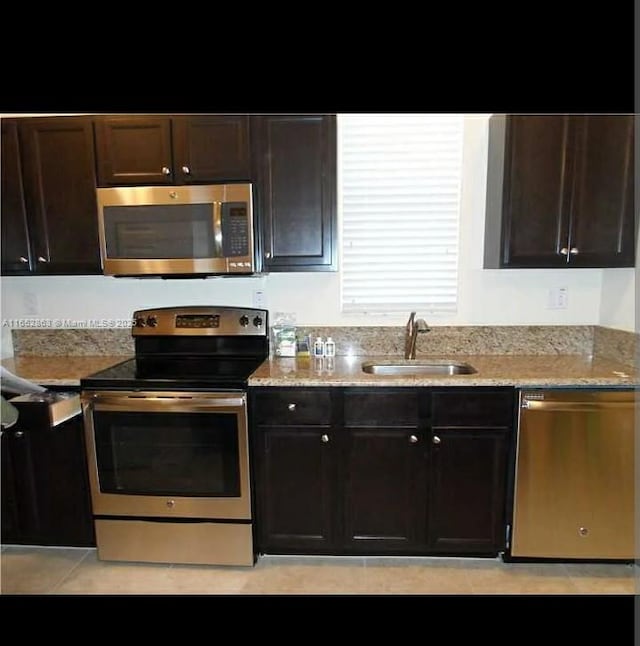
(295, 496)
(134, 150)
(15, 238)
(211, 148)
(535, 216)
(383, 470)
(296, 169)
(602, 228)
(467, 490)
(60, 191)
(383, 497)
(50, 475)
(10, 522)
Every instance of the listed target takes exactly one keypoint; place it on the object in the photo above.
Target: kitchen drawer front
(477, 407)
(381, 408)
(293, 406)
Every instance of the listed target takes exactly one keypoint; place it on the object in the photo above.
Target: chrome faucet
(411, 334)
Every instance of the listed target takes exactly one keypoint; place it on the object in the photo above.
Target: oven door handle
(164, 404)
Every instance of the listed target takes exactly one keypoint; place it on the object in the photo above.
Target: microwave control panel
(235, 229)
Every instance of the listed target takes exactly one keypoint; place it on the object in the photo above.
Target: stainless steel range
(167, 438)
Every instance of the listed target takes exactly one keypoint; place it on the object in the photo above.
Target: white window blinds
(401, 177)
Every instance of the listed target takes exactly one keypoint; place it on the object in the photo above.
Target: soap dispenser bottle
(329, 347)
(318, 347)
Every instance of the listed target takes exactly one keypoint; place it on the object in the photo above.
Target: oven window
(163, 232)
(190, 454)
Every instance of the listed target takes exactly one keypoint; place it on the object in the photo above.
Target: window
(401, 177)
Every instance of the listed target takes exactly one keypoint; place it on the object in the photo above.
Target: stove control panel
(200, 321)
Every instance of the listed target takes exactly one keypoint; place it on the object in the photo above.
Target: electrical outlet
(30, 302)
(259, 299)
(558, 298)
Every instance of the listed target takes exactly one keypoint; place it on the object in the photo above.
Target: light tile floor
(42, 570)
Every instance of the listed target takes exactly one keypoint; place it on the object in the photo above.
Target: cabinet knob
(413, 439)
(436, 439)
(42, 259)
(171, 503)
(324, 438)
(267, 255)
(564, 251)
(574, 251)
(18, 434)
(186, 170)
(23, 259)
(291, 407)
(166, 171)
(583, 531)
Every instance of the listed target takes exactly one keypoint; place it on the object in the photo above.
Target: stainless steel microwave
(176, 230)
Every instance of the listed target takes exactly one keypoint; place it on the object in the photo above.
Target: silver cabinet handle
(291, 407)
(583, 531)
(166, 171)
(574, 251)
(436, 439)
(186, 170)
(42, 259)
(413, 439)
(564, 251)
(267, 255)
(171, 503)
(18, 434)
(324, 438)
(23, 259)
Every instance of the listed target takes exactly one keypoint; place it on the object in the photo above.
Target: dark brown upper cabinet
(189, 149)
(295, 161)
(560, 191)
(16, 254)
(59, 200)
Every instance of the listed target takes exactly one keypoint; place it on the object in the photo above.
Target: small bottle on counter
(330, 347)
(318, 347)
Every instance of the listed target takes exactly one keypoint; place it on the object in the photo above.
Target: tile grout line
(70, 572)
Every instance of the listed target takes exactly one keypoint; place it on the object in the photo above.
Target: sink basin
(439, 368)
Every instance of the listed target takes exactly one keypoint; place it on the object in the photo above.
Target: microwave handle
(217, 228)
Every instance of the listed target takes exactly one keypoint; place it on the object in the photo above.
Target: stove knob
(152, 321)
(140, 321)
(244, 320)
(257, 321)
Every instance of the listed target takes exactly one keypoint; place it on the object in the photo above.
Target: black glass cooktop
(175, 372)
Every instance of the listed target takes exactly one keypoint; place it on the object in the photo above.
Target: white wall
(497, 297)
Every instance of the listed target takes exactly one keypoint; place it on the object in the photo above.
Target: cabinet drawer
(472, 408)
(293, 406)
(381, 408)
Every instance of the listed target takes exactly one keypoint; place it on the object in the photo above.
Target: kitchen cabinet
(295, 471)
(45, 492)
(15, 235)
(187, 149)
(469, 437)
(381, 470)
(295, 167)
(560, 191)
(51, 213)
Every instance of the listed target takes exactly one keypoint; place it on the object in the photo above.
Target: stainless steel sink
(439, 368)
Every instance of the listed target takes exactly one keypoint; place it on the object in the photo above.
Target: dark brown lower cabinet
(45, 491)
(296, 491)
(383, 490)
(385, 476)
(466, 510)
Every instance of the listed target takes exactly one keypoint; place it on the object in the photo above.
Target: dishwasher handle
(576, 406)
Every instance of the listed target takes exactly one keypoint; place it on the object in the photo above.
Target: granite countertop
(492, 370)
(59, 371)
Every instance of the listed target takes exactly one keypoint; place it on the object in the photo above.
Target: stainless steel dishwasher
(574, 484)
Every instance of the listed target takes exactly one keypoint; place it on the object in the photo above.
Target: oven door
(168, 454)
